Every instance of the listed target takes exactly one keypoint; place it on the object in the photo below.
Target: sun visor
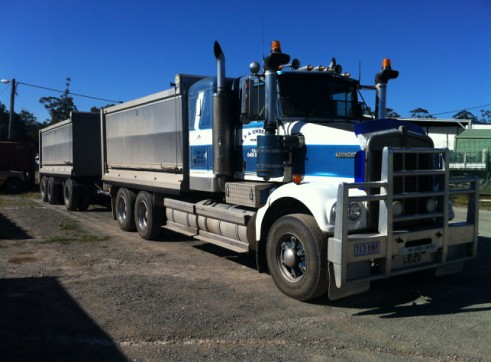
(364, 130)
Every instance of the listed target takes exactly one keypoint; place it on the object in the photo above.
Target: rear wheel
(148, 216)
(14, 186)
(296, 252)
(53, 191)
(125, 204)
(70, 195)
(43, 188)
(84, 201)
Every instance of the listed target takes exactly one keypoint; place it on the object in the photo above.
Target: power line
(74, 94)
(462, 109)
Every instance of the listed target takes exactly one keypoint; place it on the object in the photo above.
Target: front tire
(148, 216)
(296, 252)
(125, 204)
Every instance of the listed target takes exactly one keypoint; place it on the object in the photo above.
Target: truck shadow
(422, 293)
(39, 320)
(11, 231)
(247, 260)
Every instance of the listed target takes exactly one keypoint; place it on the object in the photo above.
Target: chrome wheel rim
(121, 210)
(142, 215)
(290, 257)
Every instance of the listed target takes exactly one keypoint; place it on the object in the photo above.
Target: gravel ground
(75, 287)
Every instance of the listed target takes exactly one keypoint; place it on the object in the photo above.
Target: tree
(59, 108)
(4, 121)
(420, 113)
(97, 109)
(463, 114)
(390, 113)
(25, 127)
(367, 111)
(485, 116)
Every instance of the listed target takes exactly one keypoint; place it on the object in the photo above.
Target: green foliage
(485, 116)
(390, 113)
(59, 108)
(25, 127)
(420, 113)
(68, 224)
(464, 115)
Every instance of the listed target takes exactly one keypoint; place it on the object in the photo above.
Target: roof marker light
(276, 46)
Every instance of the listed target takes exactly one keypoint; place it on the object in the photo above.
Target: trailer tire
(70, 195)
(125, 206)
(296, 251)
(43, 188)
(148, 216)
(53, 191)
(14, 186)
(83, 202)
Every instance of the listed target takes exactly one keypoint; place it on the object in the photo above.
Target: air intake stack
(271, 153)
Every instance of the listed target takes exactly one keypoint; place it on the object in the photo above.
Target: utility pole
(12, 102)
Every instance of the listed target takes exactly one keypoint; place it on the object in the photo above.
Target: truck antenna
(359, 71)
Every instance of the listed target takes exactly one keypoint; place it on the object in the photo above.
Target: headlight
(333, 213)
(397, 208)
(354, 211)
(431, 205)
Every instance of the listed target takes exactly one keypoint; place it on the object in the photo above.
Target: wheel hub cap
(290, 257)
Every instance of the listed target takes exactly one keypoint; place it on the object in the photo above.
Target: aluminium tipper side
(145, 141)
(72, 147)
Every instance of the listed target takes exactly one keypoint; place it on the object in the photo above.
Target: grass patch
(68, 224)
(20, 200)
(59, 240)
(89, 238)
(83, 238)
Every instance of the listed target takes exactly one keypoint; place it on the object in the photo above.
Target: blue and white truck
(282, 163)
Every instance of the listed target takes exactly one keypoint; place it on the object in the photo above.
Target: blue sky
(122, 50)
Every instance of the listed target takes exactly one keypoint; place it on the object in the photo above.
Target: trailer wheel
(83, 201)
(148, 216)
(70, 195)
(43, 187)
(14, 186)
(296, 252)
(125, 203)
(53, 192)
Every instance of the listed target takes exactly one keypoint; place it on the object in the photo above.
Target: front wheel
(125, 204)
(296, 252)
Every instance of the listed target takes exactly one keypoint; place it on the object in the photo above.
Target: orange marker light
(297, 179)
(276, 46)
(386, 62)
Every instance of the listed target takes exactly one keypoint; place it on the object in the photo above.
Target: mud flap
(353, 288)
(449, 269)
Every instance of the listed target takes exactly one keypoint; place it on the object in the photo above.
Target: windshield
(316, 95)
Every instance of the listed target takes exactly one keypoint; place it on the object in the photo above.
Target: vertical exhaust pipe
(381, 80)
(222, 124)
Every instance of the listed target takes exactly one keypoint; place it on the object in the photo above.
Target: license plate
(418, 249)
(411, 259)
(372, 247)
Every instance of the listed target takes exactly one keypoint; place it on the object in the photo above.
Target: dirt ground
(73, 286)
